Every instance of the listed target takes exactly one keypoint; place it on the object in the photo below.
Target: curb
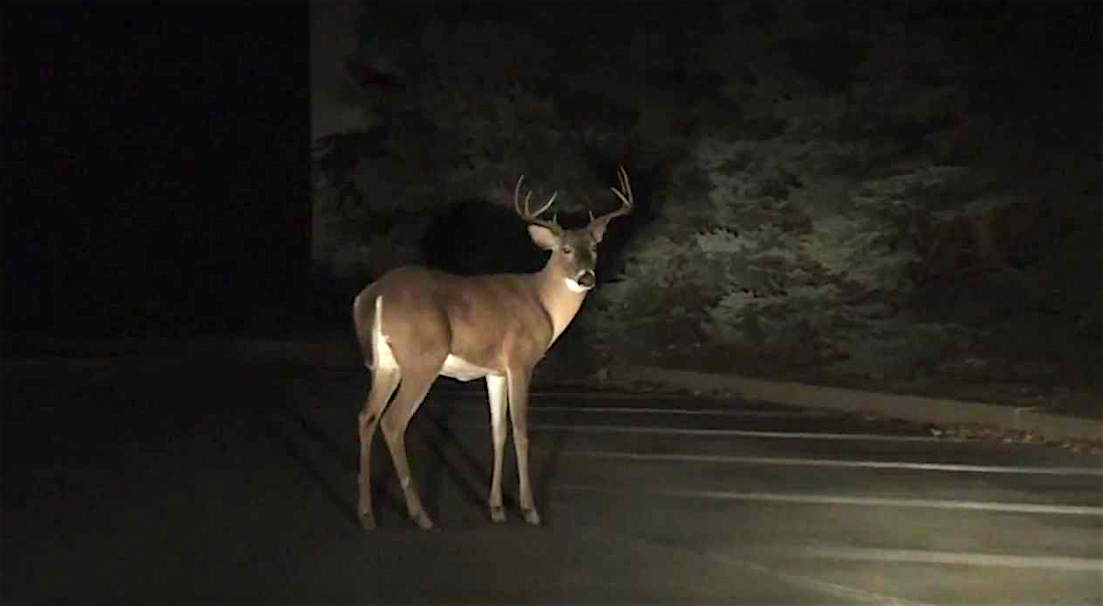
(341, 355)
(908, 408)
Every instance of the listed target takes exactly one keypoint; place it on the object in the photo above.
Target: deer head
(573, 251)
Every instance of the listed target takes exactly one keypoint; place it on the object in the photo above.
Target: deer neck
(560, 302)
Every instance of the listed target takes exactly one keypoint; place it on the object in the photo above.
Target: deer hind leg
(384, 381)
(415, 385)
(496, 390)
(518, 414)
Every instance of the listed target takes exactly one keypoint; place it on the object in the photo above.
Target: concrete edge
(341, 355)
(908, 408)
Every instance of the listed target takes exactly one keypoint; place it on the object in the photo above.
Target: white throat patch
(575, 286)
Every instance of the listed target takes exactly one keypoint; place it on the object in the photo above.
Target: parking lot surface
(188, 481)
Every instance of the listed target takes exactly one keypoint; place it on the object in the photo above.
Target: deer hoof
(498, 514)
(367, 522)
(531, 516)
(423, 521)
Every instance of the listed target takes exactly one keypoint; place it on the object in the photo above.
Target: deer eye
(567, 250)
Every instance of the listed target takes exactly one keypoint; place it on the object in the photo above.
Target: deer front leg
(518, 414)
(496, 390)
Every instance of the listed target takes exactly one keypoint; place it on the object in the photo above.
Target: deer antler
(528, 215)
(625, 195)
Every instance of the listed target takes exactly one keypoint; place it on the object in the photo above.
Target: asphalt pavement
(173, 480)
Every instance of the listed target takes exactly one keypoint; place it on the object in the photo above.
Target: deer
(415, 324)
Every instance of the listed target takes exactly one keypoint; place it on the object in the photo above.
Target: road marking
(597, 395)
(679, 411)
(794, 435)
(839, 591)
(701, 458)
(836, 590)
(1077, 510)
(950, 558)
(588, 395)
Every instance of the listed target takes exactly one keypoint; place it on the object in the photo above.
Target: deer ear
(543, 237)
(597, 229)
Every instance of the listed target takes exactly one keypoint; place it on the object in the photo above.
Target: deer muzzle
(586, 279)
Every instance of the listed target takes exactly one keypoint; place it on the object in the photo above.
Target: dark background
(156, 167)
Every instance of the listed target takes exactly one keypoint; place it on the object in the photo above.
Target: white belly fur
(462, 370)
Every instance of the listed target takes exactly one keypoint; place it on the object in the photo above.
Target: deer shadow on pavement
(449, 458)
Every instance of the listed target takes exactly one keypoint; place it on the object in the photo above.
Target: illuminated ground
(184, 481)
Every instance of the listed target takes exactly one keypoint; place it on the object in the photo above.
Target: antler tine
(528, 215)
(545, 206)
(627, 187)
(516, 191)
(624, 194)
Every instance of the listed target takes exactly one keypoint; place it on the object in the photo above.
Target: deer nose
(587, 279)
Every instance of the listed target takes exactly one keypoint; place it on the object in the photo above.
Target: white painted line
(952, 558)
(1040, 508)
(597, 395)
(795, 435)
(588, 395)
(838, 591)
(680, 411)
(718, 412)
(835, 590)
(701, 458)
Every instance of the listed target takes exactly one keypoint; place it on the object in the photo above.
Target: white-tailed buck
(415, 324)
